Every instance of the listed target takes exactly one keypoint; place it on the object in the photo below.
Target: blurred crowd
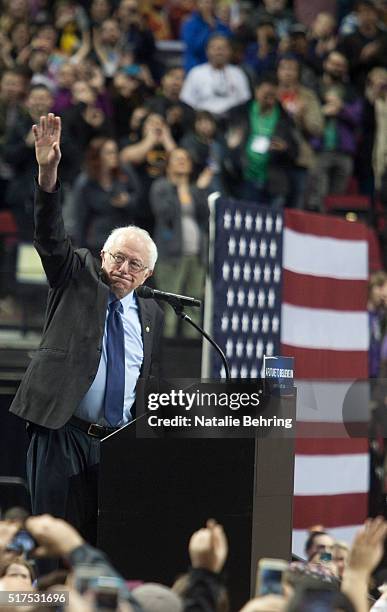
(266, 102)
(332, 577)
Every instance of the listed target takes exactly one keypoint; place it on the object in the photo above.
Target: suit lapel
(146, 329)
(102, 302)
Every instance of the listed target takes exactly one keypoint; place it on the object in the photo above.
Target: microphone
(147, 293)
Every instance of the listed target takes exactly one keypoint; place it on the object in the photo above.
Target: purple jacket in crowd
(348, 127)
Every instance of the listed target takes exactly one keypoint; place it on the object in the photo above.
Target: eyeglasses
(134, 265)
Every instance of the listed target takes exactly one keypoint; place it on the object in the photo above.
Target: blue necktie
(115, 375)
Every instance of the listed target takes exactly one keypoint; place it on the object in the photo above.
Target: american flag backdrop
(295, 283)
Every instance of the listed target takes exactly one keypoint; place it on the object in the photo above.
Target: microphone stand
(179, 310)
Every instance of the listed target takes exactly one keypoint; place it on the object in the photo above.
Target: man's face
(219, 52)
(39, 102)
(119, 277)
(266, 95)
(205, 127)
(99, 10)
(19, 571)
(288, 72)
(367, 16)
(82, 92)
(336, 66)
(38, 60)
(298, 44)
(18, 9)
(110, 32)
(321, 544)
(172, 82)
(12, 87)
(128, 10)
(274, 6)
(324, 25)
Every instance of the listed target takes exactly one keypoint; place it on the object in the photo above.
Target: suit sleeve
(60, 262)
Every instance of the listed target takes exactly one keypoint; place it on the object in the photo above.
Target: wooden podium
(154, 493)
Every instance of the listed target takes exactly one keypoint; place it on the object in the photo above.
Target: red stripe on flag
(322, 440)
(334, 446)
(324, 225)
(333, 510)
(321, 292)
(327, 364)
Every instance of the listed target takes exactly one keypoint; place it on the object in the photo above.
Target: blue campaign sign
(280, 369)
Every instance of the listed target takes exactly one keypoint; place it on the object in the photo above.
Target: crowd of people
(259, 107)
(333, 574)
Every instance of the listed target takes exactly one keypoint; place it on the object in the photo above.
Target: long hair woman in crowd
(105, 195)
(181, 216)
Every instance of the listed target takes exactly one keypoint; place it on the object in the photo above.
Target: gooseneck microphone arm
(178, 302)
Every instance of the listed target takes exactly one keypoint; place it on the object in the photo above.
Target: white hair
(138, 233)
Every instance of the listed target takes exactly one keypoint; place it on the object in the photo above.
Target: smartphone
(23, 543)
(85, 576)
(325, 556)
(269, 576)
(106, 591)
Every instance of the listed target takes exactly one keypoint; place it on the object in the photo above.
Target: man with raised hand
(98, 339)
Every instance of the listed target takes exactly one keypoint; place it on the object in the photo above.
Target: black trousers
(62, 473)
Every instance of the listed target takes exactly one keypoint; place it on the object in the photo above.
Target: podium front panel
(154, 493)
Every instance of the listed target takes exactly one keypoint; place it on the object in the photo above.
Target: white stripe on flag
(345, 534)
(324, 256)
(316, 328)
(331, 475)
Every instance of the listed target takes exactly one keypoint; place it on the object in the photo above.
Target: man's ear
(102, 254)
(148, 274)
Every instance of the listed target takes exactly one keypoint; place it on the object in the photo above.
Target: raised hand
(55, 537)
(208, 547)
(47, 141)
(368, 545)
(47, 150)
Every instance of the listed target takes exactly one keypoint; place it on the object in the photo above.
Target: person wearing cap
(297, 46)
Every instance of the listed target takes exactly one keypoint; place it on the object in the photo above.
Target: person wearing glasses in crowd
(98, 339)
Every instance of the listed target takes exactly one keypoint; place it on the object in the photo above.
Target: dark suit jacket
(166, 208)
(67, 360)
